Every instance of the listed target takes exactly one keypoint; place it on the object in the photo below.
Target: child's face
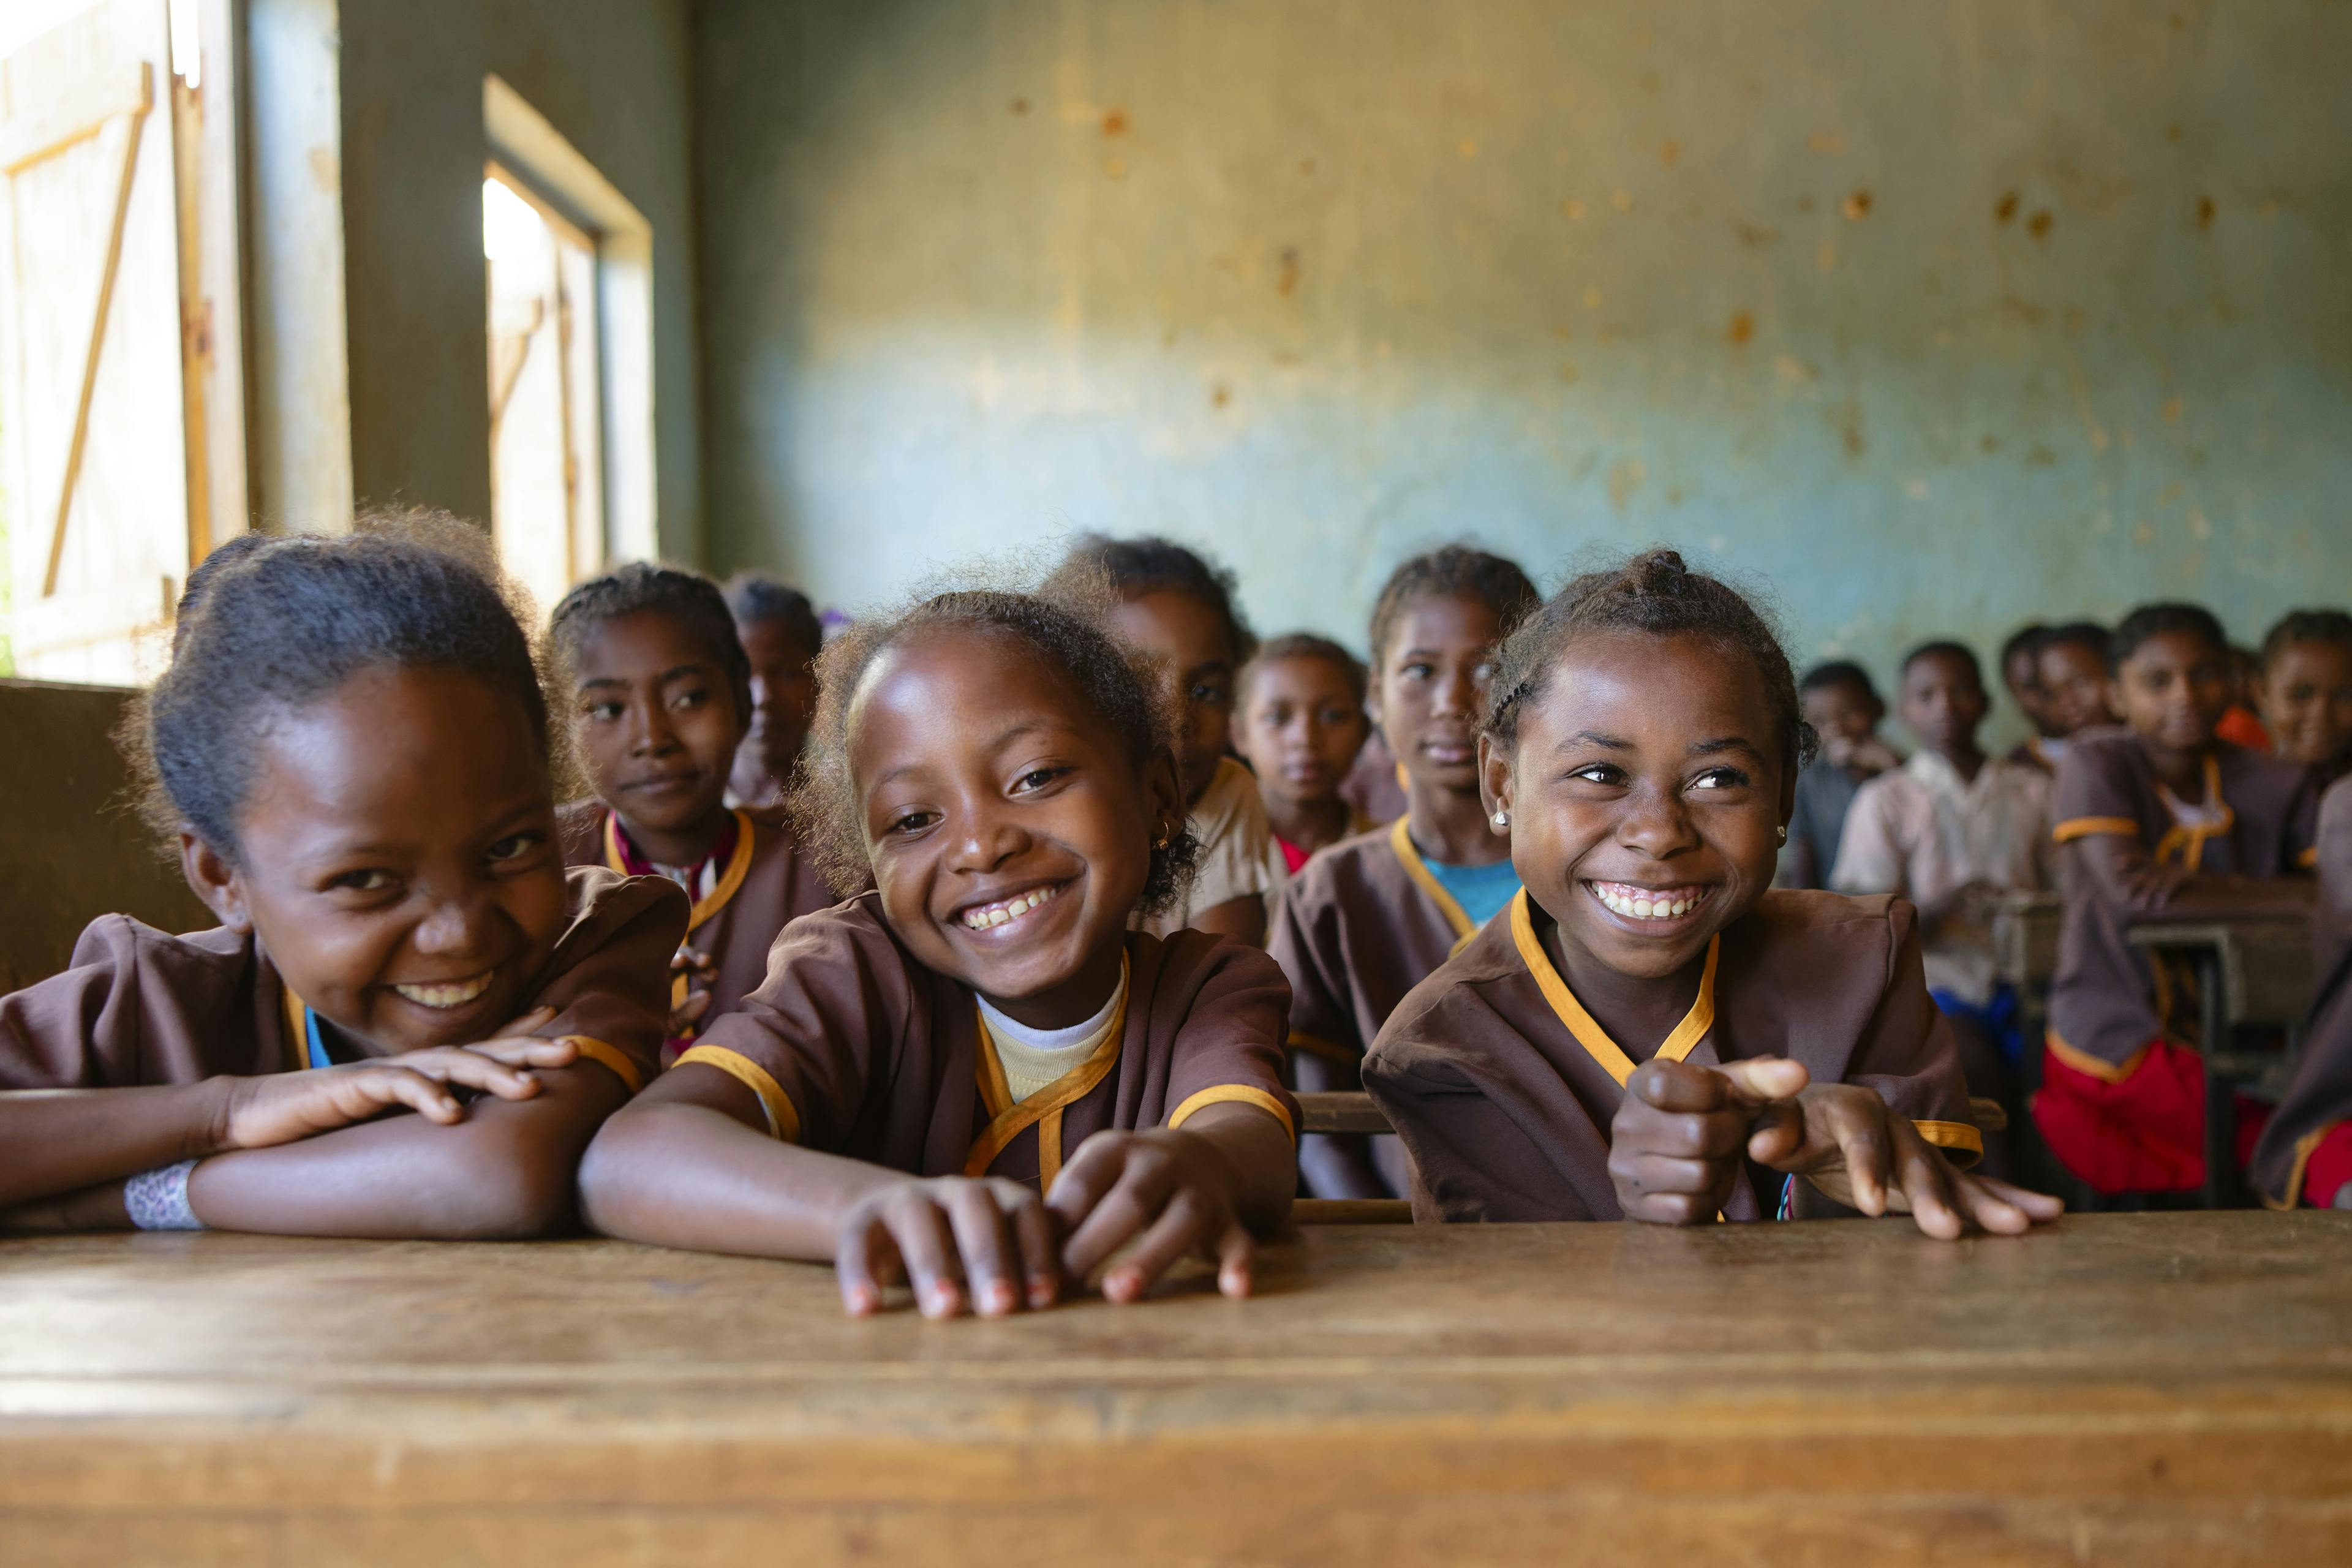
(1648, 774)
(1301, 727)
(1942, 701)
(1185, 633)
(656, 720)
(1432, 683)
(2074, 676)
(2020, 671)
(1844, 714)
(2173, 690)
(2306, 702)
(399, 862)
(784, 693)
(1010, 833)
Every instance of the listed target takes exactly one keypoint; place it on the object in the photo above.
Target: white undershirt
(1034, 1058)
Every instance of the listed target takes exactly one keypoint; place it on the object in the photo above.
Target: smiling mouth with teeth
(449, 994)
(1648, 903)
(1004, 912)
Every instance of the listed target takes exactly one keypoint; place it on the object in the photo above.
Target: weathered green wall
(1936, 315)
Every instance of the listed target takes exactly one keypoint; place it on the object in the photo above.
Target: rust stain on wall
(2038, 225)
(2006, 209)
(1858, 204)
(1286, 279)
(1743, 327)
(1114, 121)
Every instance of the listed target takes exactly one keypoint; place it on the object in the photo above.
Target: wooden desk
(2150, 1389)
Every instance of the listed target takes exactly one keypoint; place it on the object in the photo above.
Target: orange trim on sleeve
(610, 1055)
(2305, 1147)
(1954, 1138)
(2075, 827)
(2082, 1061)
(1236, 1094)
(784, 1121)
(2308, 859)
(1316, 1045)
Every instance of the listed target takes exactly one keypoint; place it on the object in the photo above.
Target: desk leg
(2220, 1094)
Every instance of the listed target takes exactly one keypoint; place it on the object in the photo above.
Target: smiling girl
(1650, 1032)
(661, 701)
(1371, 916)
(350, 751)
(976, 1076)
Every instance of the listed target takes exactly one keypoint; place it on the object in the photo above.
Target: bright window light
(187, 61)
(512, 229)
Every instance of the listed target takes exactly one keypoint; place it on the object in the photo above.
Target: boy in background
(1844, 710)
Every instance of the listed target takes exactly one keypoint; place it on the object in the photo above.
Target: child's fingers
(1673, 1086)
(1926, 1183)
(857, 1265)
(926, 1247)
(1860, 1143)
(1645, 1175)
(2003, 1210)
(1236, 1261)
(539, 1017)
(984, 1239)
(526, 1051)
(478, 1070)
(379, 1088)
(1760, 1081)
(1145, 1178)
(1690, 1134)
(1033, 1233)
(1182, 1228)
(1092, 1172)
(688, 1013)
(1776, 1134)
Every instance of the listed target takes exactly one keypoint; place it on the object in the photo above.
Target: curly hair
(2158, 620)
(1063, 627)
(753, 597)
(1945, 648)
(2075, 634)
(646, 587)
(1453, 571)
(1149, 564)
(1655, 595)
(2330, 626)
(1304, 645)
(285, 620)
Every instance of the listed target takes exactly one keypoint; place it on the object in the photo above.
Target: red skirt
(2144, 1132)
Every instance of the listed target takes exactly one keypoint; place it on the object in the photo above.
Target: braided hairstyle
(1652, 593)
(646, 587)
(1453, 571)
(1065, 626)
(272, 623)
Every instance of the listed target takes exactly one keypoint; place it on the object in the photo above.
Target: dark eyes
(1036, 779)
(605, 712)
(365, 881)
(910, 822)
(1612, 776)
(513, 847)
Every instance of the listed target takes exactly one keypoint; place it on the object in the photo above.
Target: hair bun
(1658, 569)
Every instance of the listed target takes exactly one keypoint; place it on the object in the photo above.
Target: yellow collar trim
(2189, 843)
(1043, 1109)
(1426, 879)
(1582, 1024)
(298, 1029)
(730, 880)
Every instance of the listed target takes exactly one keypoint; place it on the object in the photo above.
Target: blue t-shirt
(1481, 890)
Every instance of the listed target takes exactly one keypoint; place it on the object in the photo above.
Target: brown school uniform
(856, 1049)
(2310, 1136)
(140, 1006)
(766, 883)
(1504, 1088)
(1361, 924)
(2106, 1003)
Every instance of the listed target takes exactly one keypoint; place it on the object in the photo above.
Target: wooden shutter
(92, 397)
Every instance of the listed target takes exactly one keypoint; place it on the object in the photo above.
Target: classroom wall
(614, 77)
(1937, 316)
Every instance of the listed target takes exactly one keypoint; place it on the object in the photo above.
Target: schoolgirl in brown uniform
(1369, 917)
(976, 1074)
(661, 699)
(2306, 1153)
(352, 748)
(2141, 812)
(1651, 1032)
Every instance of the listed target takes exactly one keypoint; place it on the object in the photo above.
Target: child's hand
(2149, 886)
(1872, 755)
(284, 1106)
(945, 1237)
(1170, 1194)
(1677, 1139)
(1840, 1137)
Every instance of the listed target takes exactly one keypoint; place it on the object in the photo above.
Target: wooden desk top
(2150, 1388)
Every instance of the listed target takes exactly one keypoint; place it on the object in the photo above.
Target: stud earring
(1502, 819)
(1784, 835)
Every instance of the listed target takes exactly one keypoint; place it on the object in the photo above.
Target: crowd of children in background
(985, 945)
